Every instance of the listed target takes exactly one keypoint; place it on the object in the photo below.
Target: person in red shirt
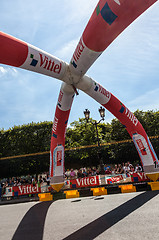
(108, 171)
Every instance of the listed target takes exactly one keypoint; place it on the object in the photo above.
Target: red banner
(115, 179)
(85, 182)
(139, 177)
(26, 189)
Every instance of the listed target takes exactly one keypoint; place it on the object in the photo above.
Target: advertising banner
(109, 19)
(113, 179)
(8, 192)
(85, 182)
(26, 189)
(15, 52)
(139, 177)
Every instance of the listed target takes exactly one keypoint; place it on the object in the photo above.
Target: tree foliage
(31, 138)
(35, 137)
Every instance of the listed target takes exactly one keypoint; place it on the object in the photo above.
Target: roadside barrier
(85, 187)
(154, 185)
(45, 197)
(127, 188)
(99, 191)
(72, 194)
(107, 190)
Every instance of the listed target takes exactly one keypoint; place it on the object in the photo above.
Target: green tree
(35, 137)
(81, 133)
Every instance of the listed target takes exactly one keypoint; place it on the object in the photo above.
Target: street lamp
(95, 123)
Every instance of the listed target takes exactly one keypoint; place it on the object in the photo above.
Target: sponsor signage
(58, 160)
(50, 64)
(59, 157)
(141, 146)
(143, 149)
(26, 189)
(139, 177)
(54, 127)
(113, 179)
(8, 192)
(42, 62)
(21, 190)
(46, 63)
(77, 53)
(131, 116)
(85, 182)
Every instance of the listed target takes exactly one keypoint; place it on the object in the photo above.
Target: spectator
(132, 170)
(67, 174)
(72, 174)
(48, 179)
(40, 180)
(88, 174)
(18, 182)
(105, 167)
(84, 172)
(10, 184)
(126, 169)
(80, 174)
(34, 181)
(129, 166)
(108, 171)
(94, 172)
(138, 168)
(120, 169)
(116, 169)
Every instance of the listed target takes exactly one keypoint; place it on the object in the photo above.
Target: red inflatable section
(13, 51)
(129, 121)
(109, 19)
(58, 134)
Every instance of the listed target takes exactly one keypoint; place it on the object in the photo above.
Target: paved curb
(106, 190)
(87, 192)
(20, 200)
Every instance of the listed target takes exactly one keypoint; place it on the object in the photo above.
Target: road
(119, 216)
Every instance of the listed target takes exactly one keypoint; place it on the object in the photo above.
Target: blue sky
(128, 68)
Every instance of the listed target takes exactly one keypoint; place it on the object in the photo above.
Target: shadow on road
(100, 225)
(32, 225)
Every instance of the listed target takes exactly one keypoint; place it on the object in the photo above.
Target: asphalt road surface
(120, 217)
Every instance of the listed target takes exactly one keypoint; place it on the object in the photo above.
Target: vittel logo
(141, 146)
(59, 157)
(46, 63)
(49, 64)
(131, 116)
(28, 189)
(87, 181)
(102, 90)
(54, 128)
(79, 49)
(60, 97)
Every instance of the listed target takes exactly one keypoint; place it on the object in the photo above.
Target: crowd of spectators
(124, 168)
(18, 181)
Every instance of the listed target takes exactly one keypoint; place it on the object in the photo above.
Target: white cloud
(3, 70)
(67, 50)
(147, 101)
(78, 10)
(8, 71)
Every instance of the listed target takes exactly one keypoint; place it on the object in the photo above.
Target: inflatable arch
(108, 20)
